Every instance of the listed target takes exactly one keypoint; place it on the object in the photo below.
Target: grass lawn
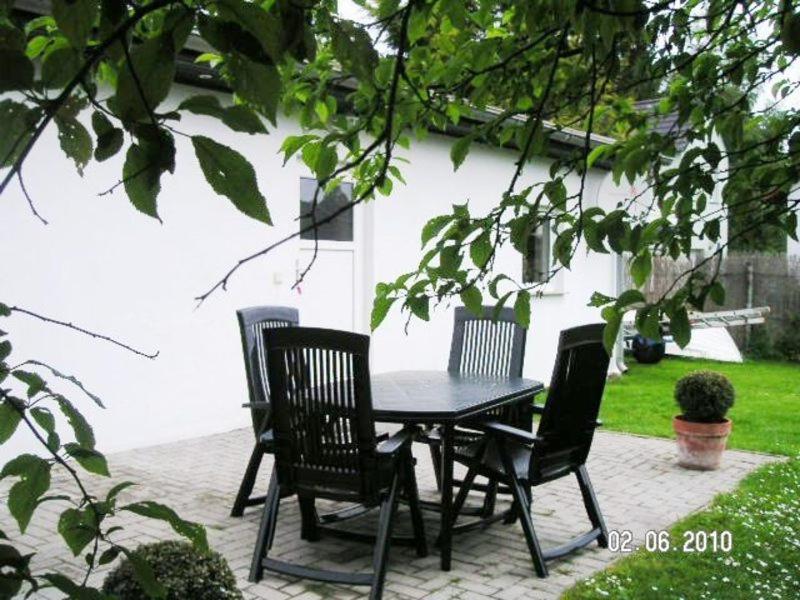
(766, 414)
(762, 514)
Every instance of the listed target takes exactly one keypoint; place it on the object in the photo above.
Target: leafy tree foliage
(362, 89)
(29, 401)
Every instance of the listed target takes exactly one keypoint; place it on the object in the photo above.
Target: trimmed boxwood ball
(704, 396)
(184, 571)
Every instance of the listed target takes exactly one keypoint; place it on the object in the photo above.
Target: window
(536, 262)
(340, 229)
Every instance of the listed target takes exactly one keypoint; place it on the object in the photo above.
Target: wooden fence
(750, 280)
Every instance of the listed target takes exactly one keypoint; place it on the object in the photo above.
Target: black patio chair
(252, 323)
(326, 447)
(484, 346)
(560, 447)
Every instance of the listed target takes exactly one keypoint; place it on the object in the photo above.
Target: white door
(330, 294)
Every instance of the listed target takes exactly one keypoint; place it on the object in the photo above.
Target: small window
(340, 229)
(536, 262)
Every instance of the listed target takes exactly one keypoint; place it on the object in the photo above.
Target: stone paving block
(638, 485)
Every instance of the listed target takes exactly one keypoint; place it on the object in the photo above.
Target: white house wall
(104, 266)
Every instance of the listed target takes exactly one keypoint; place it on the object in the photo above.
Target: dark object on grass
(184, 571)
(704, 396)
(647, 351)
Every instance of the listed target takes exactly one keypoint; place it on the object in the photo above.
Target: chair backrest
(570, 413)
(483, 346)
(252, 323)
(322, 412)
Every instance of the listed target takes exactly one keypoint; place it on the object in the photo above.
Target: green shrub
(704, 396)
(184, 571)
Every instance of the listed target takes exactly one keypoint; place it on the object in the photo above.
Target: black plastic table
(447, 399)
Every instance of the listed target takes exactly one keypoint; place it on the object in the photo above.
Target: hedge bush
(704, 396)
(184, 571)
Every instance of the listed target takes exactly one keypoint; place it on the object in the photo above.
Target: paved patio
(638, 484)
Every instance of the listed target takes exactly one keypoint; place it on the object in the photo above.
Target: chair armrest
(537, 408)
(261, 405)
(502, 430)
(395, 442)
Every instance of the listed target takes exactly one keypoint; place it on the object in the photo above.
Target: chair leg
(266, 530)
(380, 556)
(592, 507)
(248, 481)
(489, 499)
(309, 520)
(436, 459)
(463, 492)
(521, 501)
(410, 485)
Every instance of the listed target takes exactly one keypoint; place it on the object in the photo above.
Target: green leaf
(112, 494)
(44, 418)
(231, 175)
(380, 308)
(5, 349)
(152, 67)
(144, 574)
(74, 139)
(419, 306)
(9, 419)
(237, 117)
(17, 71)
(326, 162)
(353, 48)
(629, 297)
(613, 319)
(80, 426)
(599, 299)
(16, 124)
(263, 25)
(433, 227)
(194, 532)
(473, 300)
(75, 19)
(78, 528)
(34, 480)
(522, 308)
(717, 293)
(73, 380)
(72, 589)
(34, 382)
(90, 459)
(679, 327)
(293, 143)
(59, 66)
(459, 151)
(597, 153)
(641, 267)
(144, 164)
(241, 118)
(109, 138)
(556, 193)
(259, 85)
(108, 556)
(480, 250)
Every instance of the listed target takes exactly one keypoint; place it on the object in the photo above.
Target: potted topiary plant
(702, 429)
(184, 572)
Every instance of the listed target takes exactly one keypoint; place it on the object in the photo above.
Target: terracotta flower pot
(700, 445)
